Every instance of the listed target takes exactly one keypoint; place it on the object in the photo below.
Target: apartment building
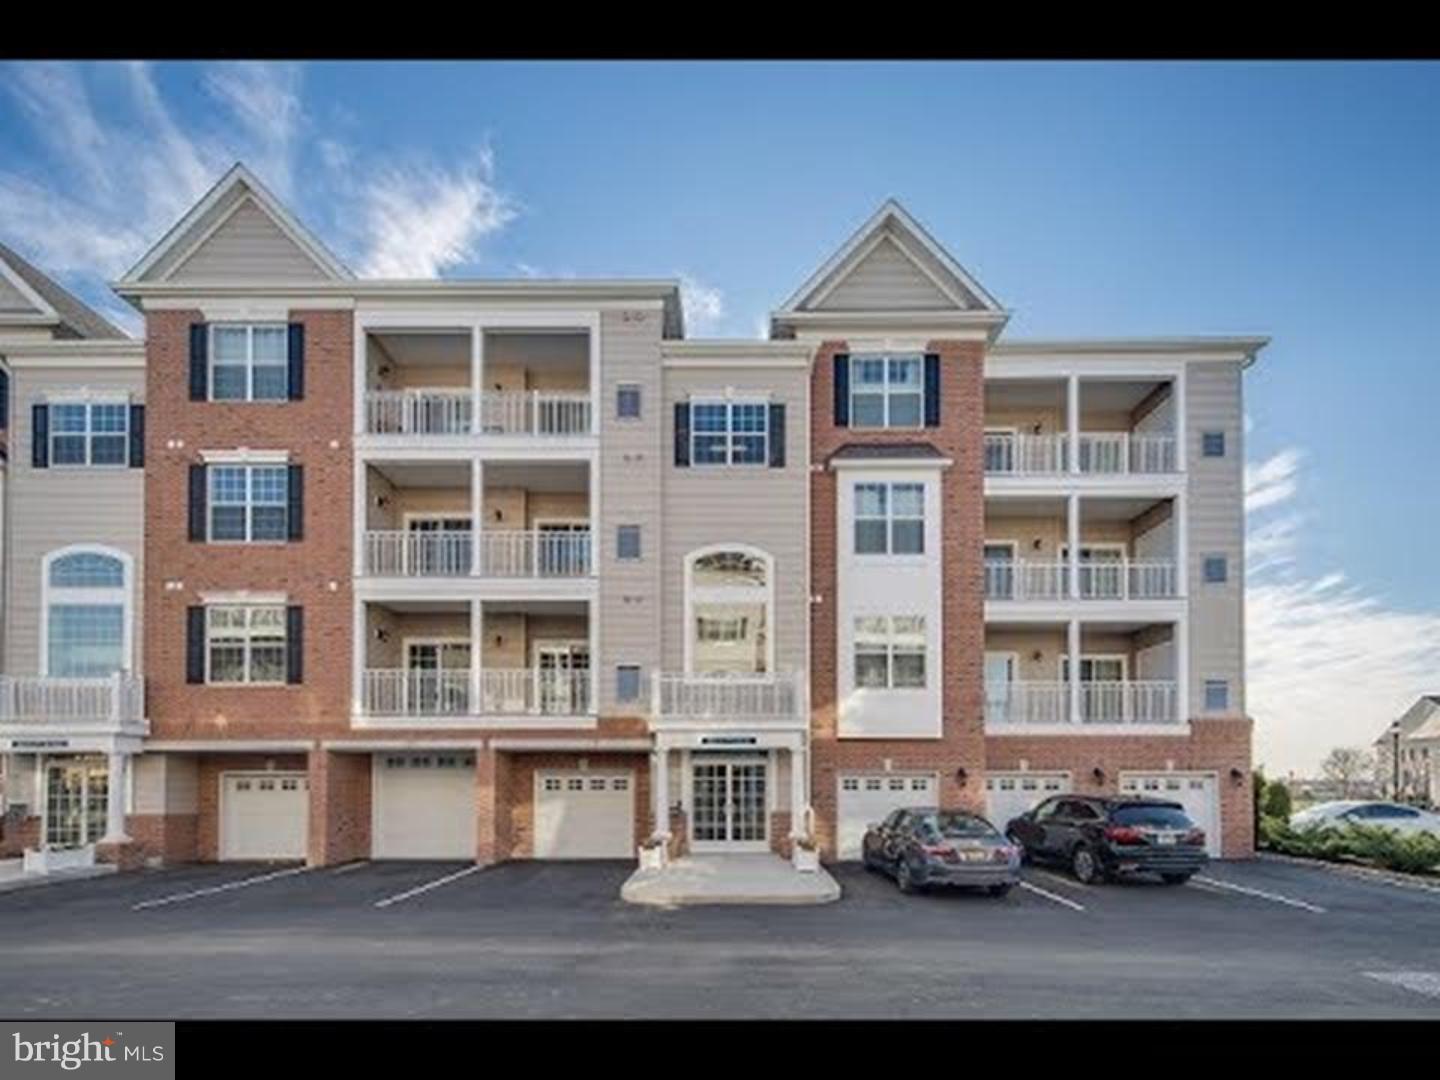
(497, 569)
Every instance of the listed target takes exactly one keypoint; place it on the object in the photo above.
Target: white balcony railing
(503, 553)
(1099, 453)
(116, 701)
(1118, 702)
(722, 697)
(452, 412)
(1146, 579)
(410, 693)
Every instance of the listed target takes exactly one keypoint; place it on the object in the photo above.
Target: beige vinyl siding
(755, 505)
(57, 507)
(1216, 509)
(248, 246)
(632, 459)
(886, 279)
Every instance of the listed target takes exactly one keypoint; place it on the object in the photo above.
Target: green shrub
(1412, 853)
(1277, 801)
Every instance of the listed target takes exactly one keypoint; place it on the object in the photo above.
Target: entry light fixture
(381, 634)
(961, 775)
(382, 500)
(1099, 774)
(1036, 543)
(1037, 656)
(1236, 776)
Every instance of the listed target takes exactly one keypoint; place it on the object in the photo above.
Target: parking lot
(1256, 939)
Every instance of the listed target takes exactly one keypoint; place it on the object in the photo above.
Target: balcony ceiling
(1100, 395)
(436, 474)
(412, 348)
(549, 477)
(1092, 508)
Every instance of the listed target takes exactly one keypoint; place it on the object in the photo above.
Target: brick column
(339, 807)
(492, 806)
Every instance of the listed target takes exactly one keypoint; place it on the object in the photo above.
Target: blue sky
(1291, 199)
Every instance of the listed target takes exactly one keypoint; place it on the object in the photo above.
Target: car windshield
(954, 826)
(1155, 817)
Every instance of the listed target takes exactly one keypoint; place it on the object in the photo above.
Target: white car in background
(1406, 819)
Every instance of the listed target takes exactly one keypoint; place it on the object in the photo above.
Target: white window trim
(886, 391)
(244, 455)
(640, 399)
(1098, 545)
(713, 594)
(410, 517)
(889, 647)
(247, 681)
(1205, 557)
(249, 506)
(89, 596)
(729, 402)
(1204, 696)
(1013, 545)
(87, 401)
(889, 519)
(249, 328)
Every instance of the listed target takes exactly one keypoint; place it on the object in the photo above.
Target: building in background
(1407, 754)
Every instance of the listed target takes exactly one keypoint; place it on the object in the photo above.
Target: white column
(115, 800)
(477, 516)
(1180, 637)
(477, 376)
(660, 788)
(1072, 420)
(358, 654)
(1073, 648)
(799, 769)
(1072, 539)
(477, 650)
(592, 634)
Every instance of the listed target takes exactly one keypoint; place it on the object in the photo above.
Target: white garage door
(1010, 794)
(424, 806)
(1196, 792)
(584, 815)
(866, 798)
(264, 815)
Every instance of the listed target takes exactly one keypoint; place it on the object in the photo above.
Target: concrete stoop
(13, 874)
(729, 879)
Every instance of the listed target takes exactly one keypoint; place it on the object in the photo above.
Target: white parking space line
(1069, 883)
(1064, 901)
(1421, 982)
(1259, 893)
(211, 890)
(408, 893)
(348, 867)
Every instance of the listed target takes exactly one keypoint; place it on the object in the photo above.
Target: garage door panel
(1010, 794)
(866, 798)
(1198, 793)
(424, 806)
(264, 816)
(584, 815)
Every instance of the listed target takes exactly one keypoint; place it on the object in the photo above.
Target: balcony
(1104, 453)
(502, 553)
(715, 700)
(401, 693)
(1028, 704)
(37, 705)
(1024, 580)
(541, 414)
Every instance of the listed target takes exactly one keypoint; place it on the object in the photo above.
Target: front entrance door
(562, 679)
(76, 795)
(729, 806)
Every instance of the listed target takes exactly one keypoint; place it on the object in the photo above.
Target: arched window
(85, 612)
(728, 599)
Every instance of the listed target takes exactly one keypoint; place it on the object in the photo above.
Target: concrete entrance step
(729, 879)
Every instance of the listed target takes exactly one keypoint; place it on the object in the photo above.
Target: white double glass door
(729, 805)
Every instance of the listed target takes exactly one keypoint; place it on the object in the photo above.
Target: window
(627, 401)
(627, 683)
(245, 643)
(1217, 695)
(249, 362)
(89, 433)
(86, 606)
(1215, 569)
(890, 652)
(728, 598)
(249, 502)
(889, 519)
(627, 542)
(730, 630)
(729, 433)
(1212, 444)
(887, 391)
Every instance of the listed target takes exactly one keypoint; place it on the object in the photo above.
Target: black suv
(1100, 837)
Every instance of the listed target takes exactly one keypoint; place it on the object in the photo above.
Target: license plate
(973, 856)
(1165, 839)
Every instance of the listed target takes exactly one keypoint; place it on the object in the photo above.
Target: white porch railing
(410, 693)
(118, 700)
(727, 696)
(401, 692)
(1024, 580)
(503, 553)
(1146, 579)
(418, 412)
(535, 692)
(534, 412)
(1126, 452)
(1119, 702)
(452, 412)
(1025, 455)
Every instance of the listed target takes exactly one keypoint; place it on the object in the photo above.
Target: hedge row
(1411, 853)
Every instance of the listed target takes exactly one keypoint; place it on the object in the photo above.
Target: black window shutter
(295, 502)
(40, 436)
(777, 436)
(842, 389)
(294, 644)
(199, 362)
(194, 644)
(297, 361)
(682, 433)
(197, 502)
(932, 390)
(4, 399)
(137, 436)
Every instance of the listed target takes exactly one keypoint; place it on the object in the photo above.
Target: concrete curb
(1390, 877)
(58, 877)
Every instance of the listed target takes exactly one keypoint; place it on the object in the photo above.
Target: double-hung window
(245, 643)
(249, 502)
(249, 362)
(889, 519)
(890, 652)
(89, 433)
(887, 391)
(726, 432)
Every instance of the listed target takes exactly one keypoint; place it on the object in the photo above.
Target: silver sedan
(1405, 819)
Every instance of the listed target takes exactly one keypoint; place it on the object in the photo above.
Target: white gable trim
(260, 195)
(43, 313)
(870, 231)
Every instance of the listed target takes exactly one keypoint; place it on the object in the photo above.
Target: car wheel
(1000, 890)
(903, 878)
(1174, 879)
(1085, 866)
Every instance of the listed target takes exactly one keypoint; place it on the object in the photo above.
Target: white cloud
(704, 306)
(1329, 664)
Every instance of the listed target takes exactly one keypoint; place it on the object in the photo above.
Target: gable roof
(237, 197)
(902, 265)
(40, 300)
(1424, 715)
